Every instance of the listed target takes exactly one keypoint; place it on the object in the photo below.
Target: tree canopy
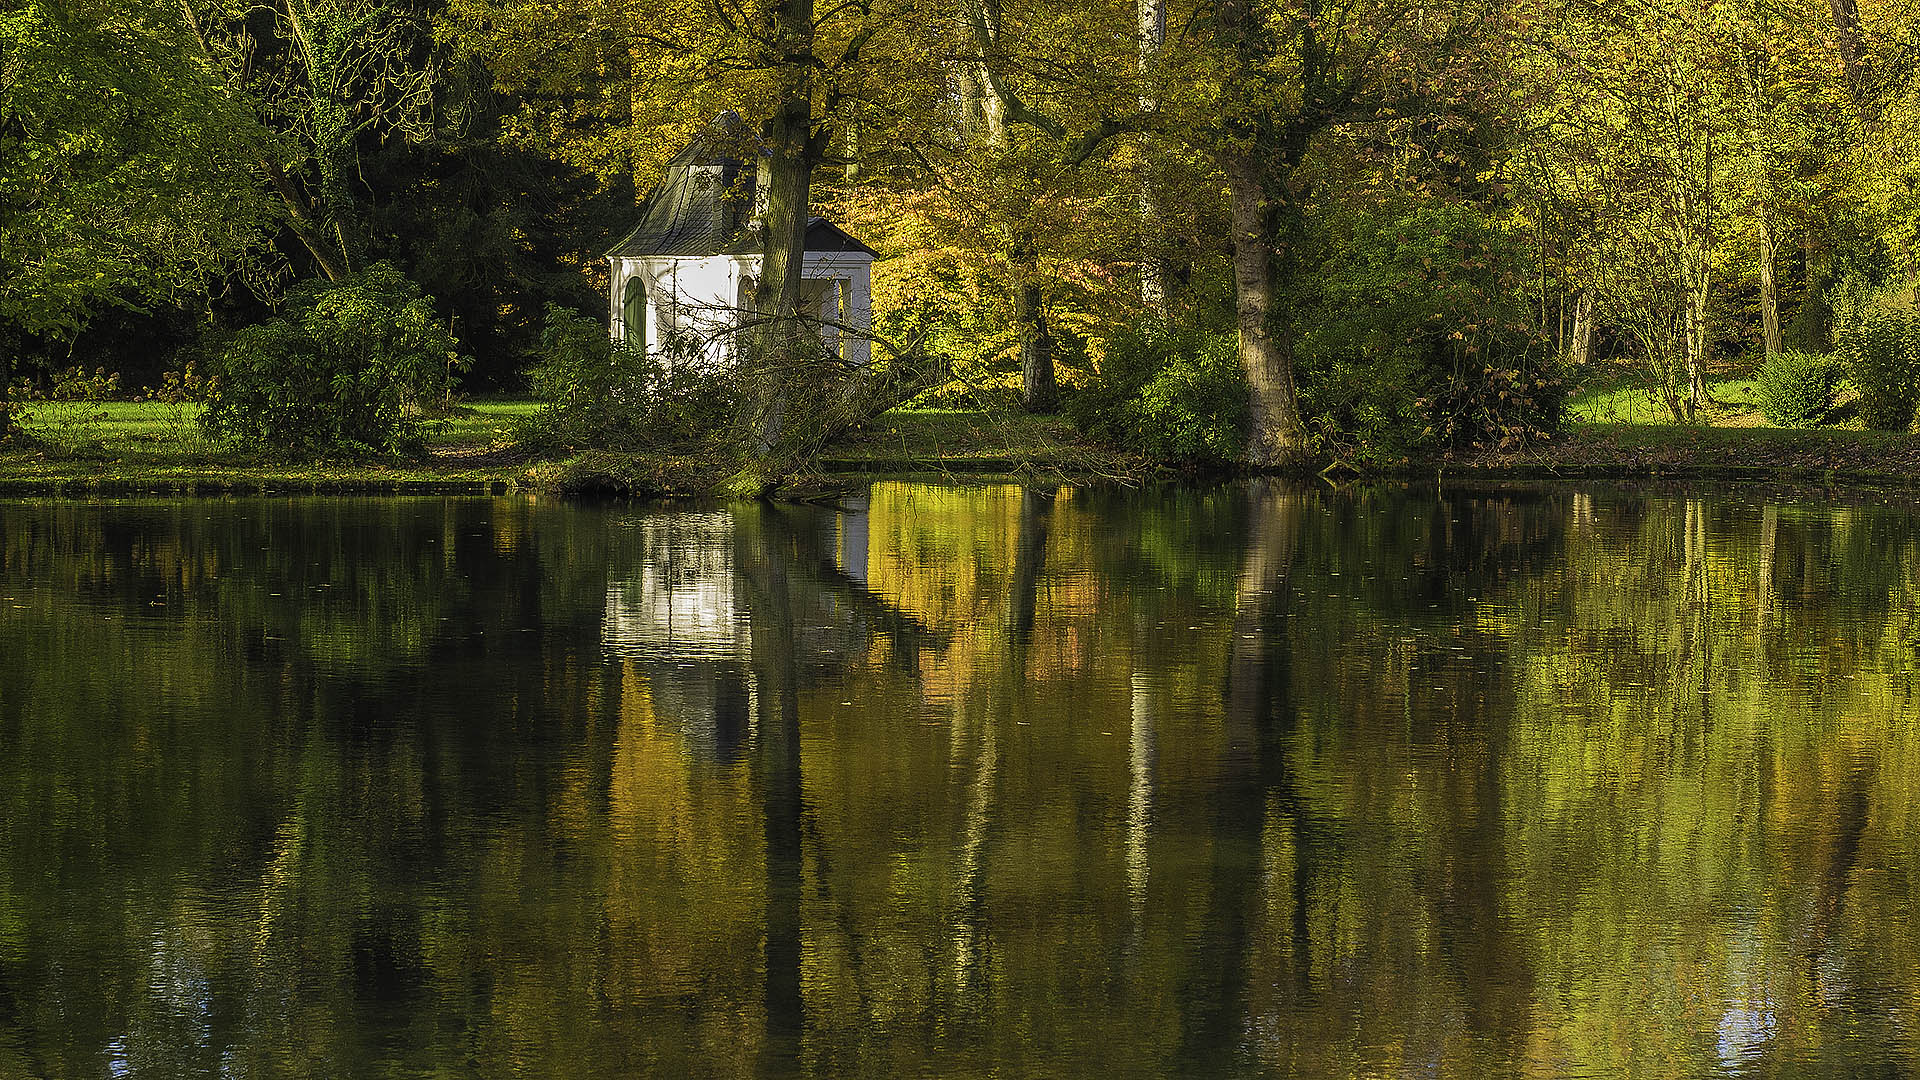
(1534, 184)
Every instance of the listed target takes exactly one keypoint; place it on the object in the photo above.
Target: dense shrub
(1418, 337)
(1877, 335)
(602, 393)
(1795, 389)
(351, 366)
(1174, 394)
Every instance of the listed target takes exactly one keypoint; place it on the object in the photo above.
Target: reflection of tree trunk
(1259, 714)
(761, 557)
(1489, 958)
(1139, 793)
(1029, 557)
(970, 935)
(1849, 812)
(1769, 539)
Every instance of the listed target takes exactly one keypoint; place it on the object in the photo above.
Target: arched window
(633, 313)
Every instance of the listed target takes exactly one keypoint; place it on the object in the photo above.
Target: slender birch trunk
(1698, 344)
(1156, 284)
(1580, 339)
(1769, 290)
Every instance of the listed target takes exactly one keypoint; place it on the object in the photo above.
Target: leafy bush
(1419, 336)
(67, 410)
(1174, 394)
(349, 366)
(1795, 389)
(602, 393)
(1877, 335)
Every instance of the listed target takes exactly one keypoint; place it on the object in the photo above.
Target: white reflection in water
(683, 601)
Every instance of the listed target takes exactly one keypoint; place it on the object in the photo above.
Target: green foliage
(124, 166)
(348, 367)
(601, 393)
(1795, 389)
(67, 410)
(1420, 337)
(180, 394)
(1173, 394)
(1877, 335)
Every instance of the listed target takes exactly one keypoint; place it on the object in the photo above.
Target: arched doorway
(633, 313)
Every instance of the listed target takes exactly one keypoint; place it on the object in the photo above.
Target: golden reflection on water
(961, 781)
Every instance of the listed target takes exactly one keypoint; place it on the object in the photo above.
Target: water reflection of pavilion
(683, 600)
(682, 612)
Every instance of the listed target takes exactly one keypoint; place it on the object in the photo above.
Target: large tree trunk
(778, 342)
(1038, 389)
(986, 110)
(1853, 50)
(1277, 437)
(300, 212)
(300, 219)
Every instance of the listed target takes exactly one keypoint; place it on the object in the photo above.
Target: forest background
(1253, 231)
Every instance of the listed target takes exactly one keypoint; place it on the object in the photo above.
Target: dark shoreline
(1683, 457)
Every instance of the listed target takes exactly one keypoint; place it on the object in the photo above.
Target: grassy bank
(149, 447)
(1626, 451)
(127, 447)
(153, 447)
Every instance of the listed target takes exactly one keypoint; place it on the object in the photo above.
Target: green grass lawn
(1625, 399)
(956, 436)
(124, 444)
(129, 426)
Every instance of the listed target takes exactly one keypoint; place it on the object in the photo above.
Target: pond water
(961, 781)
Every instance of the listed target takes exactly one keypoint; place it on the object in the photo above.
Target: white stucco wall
(700, 298)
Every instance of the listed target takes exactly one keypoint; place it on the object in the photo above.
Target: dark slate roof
(705, 200)
(824, 235)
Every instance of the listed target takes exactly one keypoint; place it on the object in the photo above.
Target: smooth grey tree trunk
(1278, 437)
